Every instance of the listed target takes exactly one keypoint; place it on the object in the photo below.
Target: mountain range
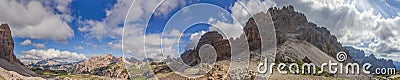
(361, 58)
(297, 40)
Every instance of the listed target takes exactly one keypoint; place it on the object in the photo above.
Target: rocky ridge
(289, 25)
(291, 28)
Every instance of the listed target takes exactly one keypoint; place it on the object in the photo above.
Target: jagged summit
(290, 24)
(7, 44)
(107, 65)
(285, 9)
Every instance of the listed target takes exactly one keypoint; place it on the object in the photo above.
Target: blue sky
(72, 28)
(81, 10)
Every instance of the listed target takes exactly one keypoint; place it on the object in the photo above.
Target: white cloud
(229, 29)
(134, 29)
(241, 11)
(78, 47)
(26, 42)
(135, 45)
(36, 19)
(194, 39)
(39, 46)
(98, 30)
(110, 26)
(63, 56)
(168, 6)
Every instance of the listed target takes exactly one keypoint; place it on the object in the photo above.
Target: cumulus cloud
(78, 47)
(36, 45)
(136, 45)
(26, 42)
(194, 39)
(62, 56)
(115, 16)
(39, 46)
(134, 29)
(37, 19)
(241, 12)
(98, 30)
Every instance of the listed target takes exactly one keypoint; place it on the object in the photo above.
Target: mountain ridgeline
(361, 58)
(290, 27)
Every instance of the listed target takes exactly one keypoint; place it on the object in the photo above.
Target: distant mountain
(359, 56)
(397, 64)
(8, 60)
(45, 63)
(107, 65)
(51, 64)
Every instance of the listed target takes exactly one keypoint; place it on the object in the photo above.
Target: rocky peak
(290, 24)
(8, 61)
(109, 57)
(107, 65)
(285, 9)
(7, 44)
(215, 39)
(252, 32)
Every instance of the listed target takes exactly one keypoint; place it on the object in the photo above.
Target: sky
(73, 30)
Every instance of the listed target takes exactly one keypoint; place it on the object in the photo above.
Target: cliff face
(213, 38)
(8, 60)
(293, 25)
(7, 44)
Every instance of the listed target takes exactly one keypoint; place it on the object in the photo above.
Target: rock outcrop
(8, 60)
(7, 44)
(293, 25)
(221, 45)
(108, 66)
(252, 33)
